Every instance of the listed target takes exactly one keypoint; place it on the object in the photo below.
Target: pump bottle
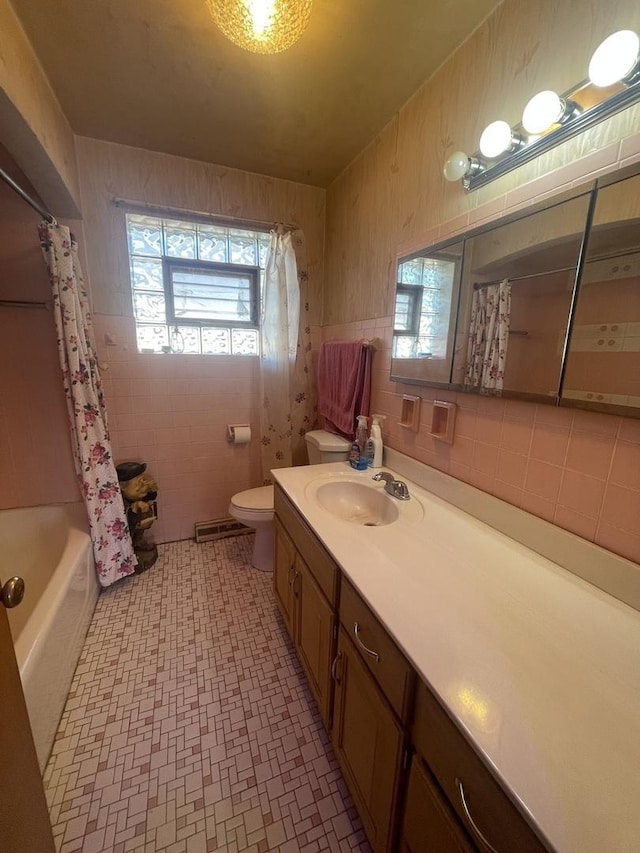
(376, 441)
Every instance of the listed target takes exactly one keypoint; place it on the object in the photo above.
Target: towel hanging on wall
(344, 384)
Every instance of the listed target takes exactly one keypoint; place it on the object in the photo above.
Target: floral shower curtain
(488, 336)
(289, 406)
(113, 550)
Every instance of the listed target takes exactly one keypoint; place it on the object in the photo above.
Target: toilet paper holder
(238, 433)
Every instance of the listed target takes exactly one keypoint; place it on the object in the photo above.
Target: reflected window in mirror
(517, 289)
(424, 317)
(603, 364)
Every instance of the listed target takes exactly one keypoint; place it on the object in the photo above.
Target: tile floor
(189, 727)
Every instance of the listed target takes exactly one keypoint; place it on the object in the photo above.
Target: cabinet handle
(292, 576)
(334, 665)
(471, 821)
(356, 631)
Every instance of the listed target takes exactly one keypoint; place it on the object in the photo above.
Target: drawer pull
(471, 821)
(356, 631)
(334, 665)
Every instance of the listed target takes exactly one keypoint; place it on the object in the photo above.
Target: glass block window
(423, 305)
(195, 286)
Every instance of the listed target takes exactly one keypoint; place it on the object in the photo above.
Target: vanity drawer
(383, 658)
(320, 564)
(481, 804)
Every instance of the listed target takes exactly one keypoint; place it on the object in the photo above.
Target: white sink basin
(357, 503)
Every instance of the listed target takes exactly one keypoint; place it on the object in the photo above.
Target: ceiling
(158, 74)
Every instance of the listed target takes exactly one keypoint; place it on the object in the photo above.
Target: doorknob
(12, 592)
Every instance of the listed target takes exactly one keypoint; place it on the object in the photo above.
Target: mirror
(603, 364)
(427, 288)
(500, 311)
(517, 289)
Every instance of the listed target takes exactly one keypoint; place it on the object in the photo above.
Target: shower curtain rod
(595, 259)
(26, 197)
(479, 285)
(179, 212)
(22, 303)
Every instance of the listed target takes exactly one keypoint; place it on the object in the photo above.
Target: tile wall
(172, 413)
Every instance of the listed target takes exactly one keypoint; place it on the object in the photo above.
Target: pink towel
(344, 385)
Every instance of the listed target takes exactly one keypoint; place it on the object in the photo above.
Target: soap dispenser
(358, 456)
(376, 442)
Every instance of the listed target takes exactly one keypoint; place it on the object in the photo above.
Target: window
(423, 307)
(195, 285)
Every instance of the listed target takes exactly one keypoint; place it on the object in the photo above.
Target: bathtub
(49, 547)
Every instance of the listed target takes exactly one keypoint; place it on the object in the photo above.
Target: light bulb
(261, 12)
(543, 110)
(496, 139)
(615, 58)
(456, 166)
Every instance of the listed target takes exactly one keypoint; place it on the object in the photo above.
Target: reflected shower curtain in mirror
(488, 336)
(113, 550)
(289, 407)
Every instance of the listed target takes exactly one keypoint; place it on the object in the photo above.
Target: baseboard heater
(220, 528)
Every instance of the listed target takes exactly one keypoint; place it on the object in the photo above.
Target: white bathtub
(49, 547)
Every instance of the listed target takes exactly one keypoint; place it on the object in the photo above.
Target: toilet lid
(260, 498)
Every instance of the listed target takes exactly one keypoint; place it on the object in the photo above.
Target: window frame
(415, 293)
(170, 263)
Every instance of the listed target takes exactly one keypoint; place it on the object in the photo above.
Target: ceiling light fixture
(544, 110)
(615, 59)
(459, 166)
(261, 26)
(550, 119)
(498, 138)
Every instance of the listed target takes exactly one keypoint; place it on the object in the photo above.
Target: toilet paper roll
(239, 433)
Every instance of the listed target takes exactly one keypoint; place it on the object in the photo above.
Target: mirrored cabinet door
(603, 364)
(516, 295)
(426, 300)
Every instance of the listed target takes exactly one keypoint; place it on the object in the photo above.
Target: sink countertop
(540, 669)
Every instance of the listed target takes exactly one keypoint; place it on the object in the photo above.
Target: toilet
(254, 507)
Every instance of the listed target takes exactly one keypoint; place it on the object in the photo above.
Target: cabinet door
(429, 824)
(369, 744)
(284, 575)
(314, 623)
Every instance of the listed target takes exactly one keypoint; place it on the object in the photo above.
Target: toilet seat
(253, 503)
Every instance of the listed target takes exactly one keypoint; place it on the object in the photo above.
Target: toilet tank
(323, 446)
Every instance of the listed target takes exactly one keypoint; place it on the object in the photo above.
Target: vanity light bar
(550, 119)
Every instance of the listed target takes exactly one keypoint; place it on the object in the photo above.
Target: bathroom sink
(357, 503)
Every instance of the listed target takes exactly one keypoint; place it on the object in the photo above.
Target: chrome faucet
(395, 488)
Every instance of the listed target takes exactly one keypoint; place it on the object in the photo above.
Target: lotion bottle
(376, 441)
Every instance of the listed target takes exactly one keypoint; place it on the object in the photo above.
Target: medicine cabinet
(562, 280)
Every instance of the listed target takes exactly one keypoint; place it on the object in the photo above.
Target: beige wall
(171, 411)
(34, 128)
(579, 471)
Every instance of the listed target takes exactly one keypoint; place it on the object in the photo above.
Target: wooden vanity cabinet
(489, 817)
(305, 581)
(368, 699)
(429, 823)
(283, 574)
(314, 623)
(369, 743)
(373, 695)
